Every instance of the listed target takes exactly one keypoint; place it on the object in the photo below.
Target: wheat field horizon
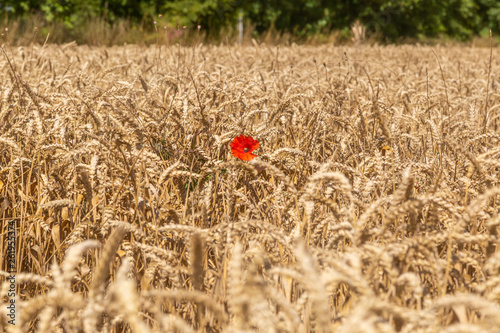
(370, 205)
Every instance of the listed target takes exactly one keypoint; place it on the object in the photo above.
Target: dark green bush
(387, 19)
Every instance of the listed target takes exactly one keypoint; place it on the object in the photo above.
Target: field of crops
(371, 205)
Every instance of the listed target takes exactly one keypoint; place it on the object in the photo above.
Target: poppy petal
(243, 146)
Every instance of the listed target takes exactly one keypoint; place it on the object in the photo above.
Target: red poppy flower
(243, 146)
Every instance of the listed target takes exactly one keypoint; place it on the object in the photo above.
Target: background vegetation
(386, 20)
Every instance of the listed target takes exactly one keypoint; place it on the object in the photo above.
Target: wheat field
(371, 207)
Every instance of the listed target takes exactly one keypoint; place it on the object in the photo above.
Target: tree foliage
(389, 19)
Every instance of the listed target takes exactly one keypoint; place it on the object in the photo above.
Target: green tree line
(387, 19)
